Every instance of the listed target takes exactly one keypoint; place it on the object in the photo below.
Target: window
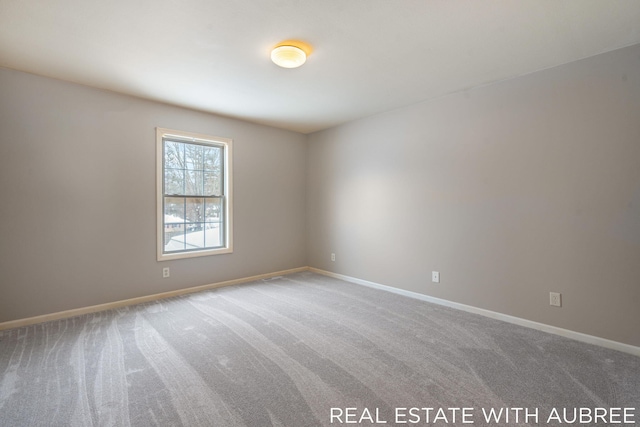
(194, 195)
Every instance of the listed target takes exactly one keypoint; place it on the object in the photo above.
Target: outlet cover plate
(435, 276)
(555, 299)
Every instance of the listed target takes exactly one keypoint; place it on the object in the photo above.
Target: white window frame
(227, 247)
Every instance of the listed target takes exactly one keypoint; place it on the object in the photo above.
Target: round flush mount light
(289, 54)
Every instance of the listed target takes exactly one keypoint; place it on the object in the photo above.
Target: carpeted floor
(305, 350)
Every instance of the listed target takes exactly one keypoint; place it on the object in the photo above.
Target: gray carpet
(285, 351)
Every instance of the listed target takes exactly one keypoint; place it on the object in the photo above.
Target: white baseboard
(138, 300)
(578, 336)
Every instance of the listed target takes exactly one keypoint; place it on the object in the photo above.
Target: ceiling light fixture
(289, 55)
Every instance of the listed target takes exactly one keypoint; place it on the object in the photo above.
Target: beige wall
(511, 191)
(77, 182)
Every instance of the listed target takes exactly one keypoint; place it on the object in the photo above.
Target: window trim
(228, 193)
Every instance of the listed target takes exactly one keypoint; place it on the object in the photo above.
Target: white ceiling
(369, 55)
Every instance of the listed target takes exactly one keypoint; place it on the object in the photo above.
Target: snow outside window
(194, 194)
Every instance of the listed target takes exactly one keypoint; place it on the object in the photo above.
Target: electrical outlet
(166, 272)
(555, 299)
(333, 257)
(435, 276)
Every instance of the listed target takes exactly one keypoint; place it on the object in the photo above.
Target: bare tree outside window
(193, 194)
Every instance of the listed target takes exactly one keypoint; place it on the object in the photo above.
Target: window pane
(194, 183)
(213, 211)
(194, 156)
(174, 210)
(194, 238)
(175, 244)
(213, 235)
(174, 181)
(174, 227)
(212, 158)
(212, 184)
(213, 223)
(173, 155)
(174, 224)
(194, 210)
(213, 171)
